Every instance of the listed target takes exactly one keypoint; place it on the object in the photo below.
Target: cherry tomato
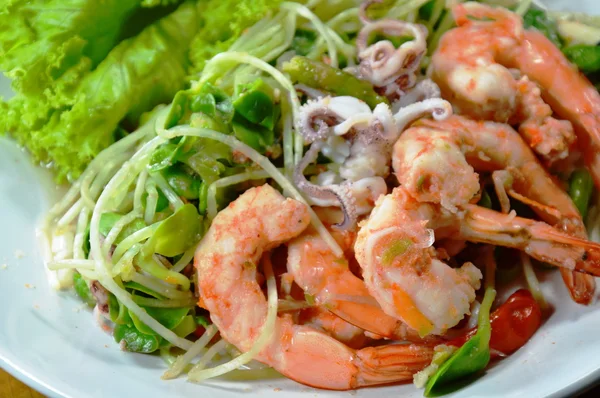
(513, 323)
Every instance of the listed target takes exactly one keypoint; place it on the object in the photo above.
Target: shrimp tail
(537, 239)
(581, 286)
(380, 365)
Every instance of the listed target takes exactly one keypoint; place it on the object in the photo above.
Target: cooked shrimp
(402, 271)
(329, 281)
(322, 319)
(470, 66)
(258, 220)
(436, 162)
(566, 90)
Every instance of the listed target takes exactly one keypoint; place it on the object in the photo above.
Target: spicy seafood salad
(372, 188)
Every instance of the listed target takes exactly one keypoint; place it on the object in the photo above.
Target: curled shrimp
(328, 280)
(402, 271)
(225, 260)
(405, 275)
(471, 66)
(436, 161)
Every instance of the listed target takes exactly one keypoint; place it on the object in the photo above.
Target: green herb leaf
(108, 221)
(168, 317)
(471, 358)
(586, 58)
(134, 286)
(175, 234)
(133, 340)
(186, 327)
(581, 187)
(83, 290)
(184, 184)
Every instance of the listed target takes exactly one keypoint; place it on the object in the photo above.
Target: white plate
(49, 341)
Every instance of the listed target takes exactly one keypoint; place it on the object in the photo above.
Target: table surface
(13, 388)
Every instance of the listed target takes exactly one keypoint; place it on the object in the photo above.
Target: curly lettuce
(139, 73)
(226, 21)
(47, 45)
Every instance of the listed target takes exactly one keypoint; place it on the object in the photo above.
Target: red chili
(513, 323)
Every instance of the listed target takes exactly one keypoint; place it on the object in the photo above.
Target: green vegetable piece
(175, 234)
(118, 312)
(471, 358)
(486, 200)
(143, 289)
(587, 58)
(83, 290)
(183, 184)
(204, 103)
(256, 103)
(538, 19)
(303, 41)
(168, 317)
(186, 327)
(108, 220)
(255, 106)
(178, 109)
(396, 249)
(256, 136)
(133, 340)
(324, 77)
(164, 156)
(426, 10)
(213, 102)
(203, 198)
(581, 187)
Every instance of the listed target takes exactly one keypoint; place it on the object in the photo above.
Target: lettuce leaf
(47, 45)
(226, 20)
(137, 74)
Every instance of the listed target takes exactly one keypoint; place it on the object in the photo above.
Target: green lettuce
(139, 73)
(226, 21)
(47, 45)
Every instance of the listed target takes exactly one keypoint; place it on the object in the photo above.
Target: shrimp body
(329, 281)
(566, 90)
(471, 68)
(402, 271)
(324, 320)
(465, 146)
(259, 220)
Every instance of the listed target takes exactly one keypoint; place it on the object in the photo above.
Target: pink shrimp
(322, 319)
(464, 146)
(471, 68)
(405, 275)
(329, 281)
(261, 219)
